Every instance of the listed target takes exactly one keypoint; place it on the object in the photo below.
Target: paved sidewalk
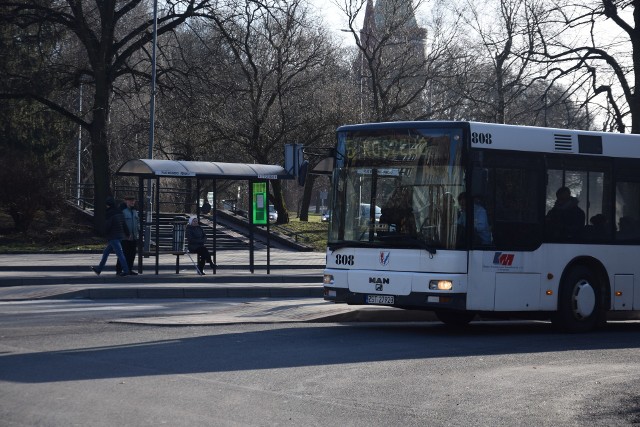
(291, 274)
(292, 292)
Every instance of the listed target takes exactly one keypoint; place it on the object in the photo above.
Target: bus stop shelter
(150, 169)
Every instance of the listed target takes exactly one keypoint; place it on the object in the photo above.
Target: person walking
(130, 242)
(115, 230)
(196, 239)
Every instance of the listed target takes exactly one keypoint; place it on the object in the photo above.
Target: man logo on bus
(384, 257)
(503, 259)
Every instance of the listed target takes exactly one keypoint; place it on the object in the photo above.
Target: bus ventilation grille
(563, 142)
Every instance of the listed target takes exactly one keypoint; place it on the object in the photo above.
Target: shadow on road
(286, 346)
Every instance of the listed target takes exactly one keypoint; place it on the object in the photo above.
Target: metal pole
(157, 224)
(215, 225)
(152, 114)
(152, 105)
(78, 176)
(361, 87)
(142, 224)
(250, 217)
(268, 233)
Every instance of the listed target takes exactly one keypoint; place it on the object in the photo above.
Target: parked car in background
(365, 212)
(273, 214)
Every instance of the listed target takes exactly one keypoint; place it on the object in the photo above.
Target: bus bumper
(415, 300)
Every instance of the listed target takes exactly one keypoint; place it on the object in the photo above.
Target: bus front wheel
(455, 318)
(579, 302)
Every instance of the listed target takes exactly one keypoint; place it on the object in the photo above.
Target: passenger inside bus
(627, 228)
(597, 229)
(565, 220)
(397, 212)
(481, 228)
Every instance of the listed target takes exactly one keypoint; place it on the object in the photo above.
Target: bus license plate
(380, 299)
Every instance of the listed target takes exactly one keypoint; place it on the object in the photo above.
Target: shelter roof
(151, 168)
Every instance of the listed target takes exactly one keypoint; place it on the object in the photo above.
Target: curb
(152, 278)
(189, 293)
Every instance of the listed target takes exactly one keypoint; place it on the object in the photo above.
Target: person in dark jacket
(196, 239)
(565, 221)
(115, 230)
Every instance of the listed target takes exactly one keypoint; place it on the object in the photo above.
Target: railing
(290, 233)
(81, 196)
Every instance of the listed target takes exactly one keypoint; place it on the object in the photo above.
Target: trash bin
(178, 234)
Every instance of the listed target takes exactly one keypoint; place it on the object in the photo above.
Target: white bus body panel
(623, 284)
(501, 280)
(529, 281)
(506, 281)
(399, 271)
(539, 139)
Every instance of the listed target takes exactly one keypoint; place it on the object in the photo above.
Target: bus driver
(482, 232)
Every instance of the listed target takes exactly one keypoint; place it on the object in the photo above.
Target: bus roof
(526, 138)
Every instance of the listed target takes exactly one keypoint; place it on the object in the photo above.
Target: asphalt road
(67, 363)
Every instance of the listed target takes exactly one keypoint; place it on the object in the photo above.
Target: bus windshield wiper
(406, 238)
(348, 243)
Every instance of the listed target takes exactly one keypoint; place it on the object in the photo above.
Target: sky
(334, 19)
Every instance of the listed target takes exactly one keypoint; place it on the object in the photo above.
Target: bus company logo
(500, 258)
(384, 257)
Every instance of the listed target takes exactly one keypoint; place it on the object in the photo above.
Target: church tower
(393, 18)
(392, 54)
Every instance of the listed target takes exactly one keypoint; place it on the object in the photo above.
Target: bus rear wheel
(455, 318)
(579, 302)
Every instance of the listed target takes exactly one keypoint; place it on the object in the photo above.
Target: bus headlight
(440, 285)
(327, 279)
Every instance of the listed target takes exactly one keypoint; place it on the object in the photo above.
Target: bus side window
(627, 210)
(516, 223)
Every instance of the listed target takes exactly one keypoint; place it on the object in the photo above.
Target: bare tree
(398, 61)
(597, 44)
(502, 28)
(268, 79)
(112, 35)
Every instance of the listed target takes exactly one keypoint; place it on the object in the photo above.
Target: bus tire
(455, 318)
(579, 301)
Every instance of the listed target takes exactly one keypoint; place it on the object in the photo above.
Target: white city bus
(533, 249)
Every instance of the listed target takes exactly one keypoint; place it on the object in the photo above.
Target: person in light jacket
(130, 241)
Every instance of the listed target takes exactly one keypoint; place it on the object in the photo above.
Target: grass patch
(314, 231)
(65, 230)
(60, 230)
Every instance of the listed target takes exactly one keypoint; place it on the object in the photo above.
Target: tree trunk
(100, 159)
(278, 202)
(306, 197)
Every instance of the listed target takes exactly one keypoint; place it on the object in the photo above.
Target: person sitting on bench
(196, 239)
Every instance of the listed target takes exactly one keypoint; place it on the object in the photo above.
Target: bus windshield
(397, 187)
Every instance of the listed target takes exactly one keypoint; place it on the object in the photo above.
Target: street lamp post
(346, 30)
(152, 114)
(78, 174)
(152, 105)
